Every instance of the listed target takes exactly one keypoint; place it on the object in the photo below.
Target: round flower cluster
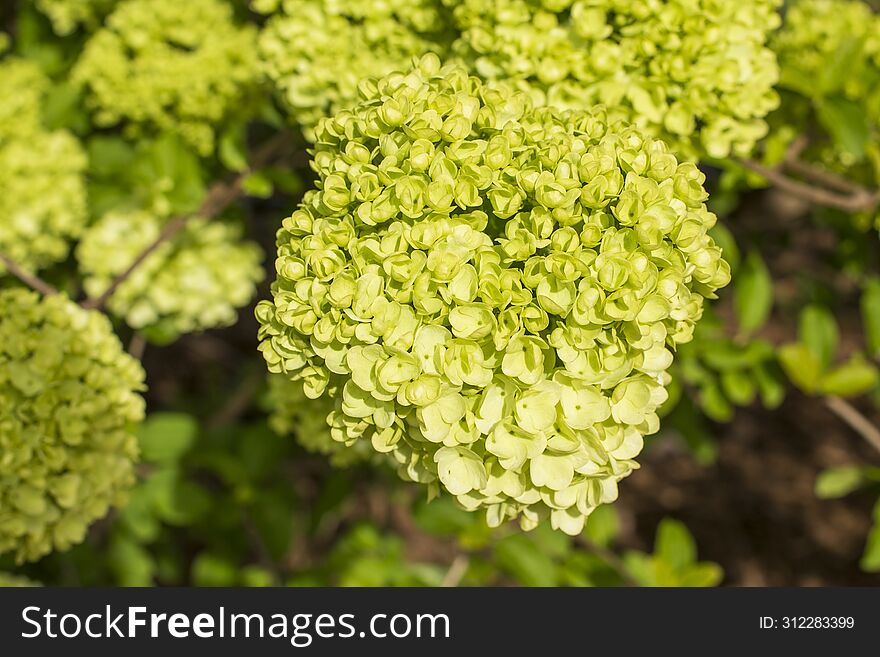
(316, 52)
(166, 65)
(193, 282)
(68, 15)
(68, 402)
(694, 72)
(491, 291)
(816, 34)
(42, 192)
(292, 413)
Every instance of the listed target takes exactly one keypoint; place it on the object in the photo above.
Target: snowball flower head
(316, 52)
(166, 65)
(42, 190)
(69, 400)
(696, 73)
(194, 282)
(490, 291)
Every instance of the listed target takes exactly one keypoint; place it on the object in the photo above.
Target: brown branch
(856, 421)
(220, 196)
(456, 571)
(31, 280)
(858, 199)
(137, 346)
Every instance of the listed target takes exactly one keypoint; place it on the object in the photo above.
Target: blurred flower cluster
(42, 191)
(695, 72)
(316, 52)
(68, 405)
(164, 65)
(68, 15)
(193, 282)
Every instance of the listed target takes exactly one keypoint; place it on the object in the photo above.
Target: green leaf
(801, 366)
(62, 109)
(674, 544)
(871, 557)
(714, 403)
(838, 482)
(131, 563)
(739, 387)
(213, 570)
(855, 377)
(441, 517)
(871, 316)
(602, 525)
(770, 388)
(724, 239)
(839, 67)
(753, 294)
(165, 437)
(703, 574)
(258, 184)
(169, 168)
(233, 148)
(817, 330)
(108, 156)
(519, 556)
(847, 123)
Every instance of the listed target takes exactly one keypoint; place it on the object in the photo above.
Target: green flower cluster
(693, 72)
(292, 413)
(68, 15)
(42, 193)
(193, 282)
(316, 52)
(490, 291)
(165, 65)
(829, 58)
(68, 402)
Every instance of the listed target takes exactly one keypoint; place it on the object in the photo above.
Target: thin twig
(456, 571)
(219, 197)
(137, 346)
(610, 558)
(31, 280)
(261, 550)
(853, 417)
(859, 200)
(240, 401)
(825, 177)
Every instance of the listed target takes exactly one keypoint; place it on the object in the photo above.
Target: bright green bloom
(67, 15)
(694, 72)
(68, 405)
(165, 65)
(42, 193)
(316, 52)
(292, 413)
(491, 291)
(193, 282)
